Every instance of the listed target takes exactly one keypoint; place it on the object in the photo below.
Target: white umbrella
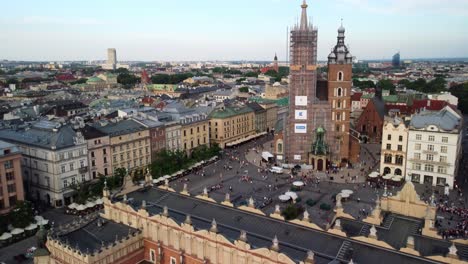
(349, 192)
(30, 227)
(387, 177)
(374, 174)
(298, 183)
(90, 204)
(284, 198)
(38, 218)
(81, 207)
(396, 179)
(17, 231)
(72, 206)
(5, 236)
(344, 195)
(293, 195)
(99, 201)
(43, 222)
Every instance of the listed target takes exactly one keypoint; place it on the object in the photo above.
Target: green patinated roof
(390, 98)
(279, 102)
(94, 80)
(368, 96)
(162, 87)
(230, 111)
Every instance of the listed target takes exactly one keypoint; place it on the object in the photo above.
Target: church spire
(304, 24)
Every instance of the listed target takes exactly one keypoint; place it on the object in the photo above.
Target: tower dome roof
(341, 29)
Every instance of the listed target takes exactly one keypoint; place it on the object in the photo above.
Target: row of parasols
(291, 195)
(242, 140)
(181, 172)
(40, 221)
(388, 177)
(88, 205)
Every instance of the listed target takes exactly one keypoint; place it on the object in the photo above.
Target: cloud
(408, 7)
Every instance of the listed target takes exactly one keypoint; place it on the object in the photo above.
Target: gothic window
(339, 91)
(340, 76)
(280, 147)
(338, 104)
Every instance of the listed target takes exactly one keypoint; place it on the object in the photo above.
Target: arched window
(397, 172)
(339, 92)
(280, 147)
(388, 158)
(399, 159)
(386, 170)
(338, 104)
(340, 76)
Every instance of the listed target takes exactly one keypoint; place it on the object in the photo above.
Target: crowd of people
(455, 229)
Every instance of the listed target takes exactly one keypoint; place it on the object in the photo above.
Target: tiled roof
(230, 111)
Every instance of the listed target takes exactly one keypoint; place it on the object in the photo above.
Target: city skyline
(186, 31)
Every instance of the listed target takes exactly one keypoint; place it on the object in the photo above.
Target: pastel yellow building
(228, 124)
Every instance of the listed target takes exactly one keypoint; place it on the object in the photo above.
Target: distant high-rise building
(112, 58)
(275, 64)
(396, 60)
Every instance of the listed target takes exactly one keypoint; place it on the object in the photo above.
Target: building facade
(99, 157)
(54, 158)
(394, 147)
(340, 73)
(129, 144)
(434, 147)
(271, 115)
(260, 117)
(228, 124)
(194, 131)
(173, 136)
(11, 179)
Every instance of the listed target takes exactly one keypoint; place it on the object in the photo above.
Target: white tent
(374, 174)
(90, 205)
(17, 231)
(38, 218)
(293, 195)
(267, 155)
(30, 227)
(72, 206)
(349, 192)
(298, 183)
(99, 201)
(5, 236)
(284, 198)
(43, 222)
(387, 177)
(81, 207)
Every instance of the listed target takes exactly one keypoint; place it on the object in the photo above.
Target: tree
(292, 212)
(404, 83)
(22, 215)
(128, 80)
(251, 74)
(386, 85)
(244, 89)
(363, 84)
(461, 92)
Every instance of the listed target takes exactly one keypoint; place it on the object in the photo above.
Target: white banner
(301, 114)
(297, 157)
(301, 100)
(300, 128)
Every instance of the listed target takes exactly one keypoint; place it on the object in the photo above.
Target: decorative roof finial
(275, 245)
(304, 23)
(188, 220)
(165, 211)
(214, 226)
(243, 236)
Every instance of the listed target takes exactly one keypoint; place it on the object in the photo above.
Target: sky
(196, 30)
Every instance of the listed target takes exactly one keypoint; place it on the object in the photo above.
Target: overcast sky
(227, 29)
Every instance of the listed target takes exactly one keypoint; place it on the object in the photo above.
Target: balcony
(430, 152)
(83, 169)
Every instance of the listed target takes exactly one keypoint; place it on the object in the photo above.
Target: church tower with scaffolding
(306, 111)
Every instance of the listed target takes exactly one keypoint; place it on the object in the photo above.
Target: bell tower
(340, 63)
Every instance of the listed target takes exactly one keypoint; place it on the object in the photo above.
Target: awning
(5, 236)
(17, 231)
(90, 204)
(81, 207)
(374, 174)
(388, 176)
(30, 227)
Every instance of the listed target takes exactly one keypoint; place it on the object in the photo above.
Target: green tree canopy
(128, 80)
(386, 85)
(461, 92)
(244, 89)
